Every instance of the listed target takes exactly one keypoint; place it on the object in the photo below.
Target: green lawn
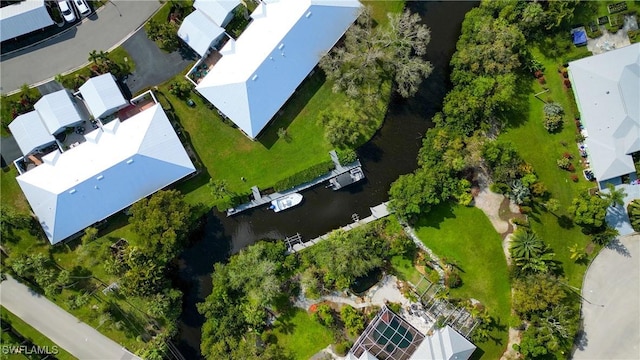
(405, 269)
(542, 149)
(301, 335)
(465, 235)
(32, 334)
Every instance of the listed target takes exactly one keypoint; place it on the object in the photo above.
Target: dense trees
(242, 291)
(373, 54)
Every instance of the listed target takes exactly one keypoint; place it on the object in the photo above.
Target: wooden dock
(260, 200)
(295, 243)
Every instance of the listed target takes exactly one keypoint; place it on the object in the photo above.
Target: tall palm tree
(526, 245)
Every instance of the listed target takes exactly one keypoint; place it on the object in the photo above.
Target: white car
(82, 7)
(67, 11)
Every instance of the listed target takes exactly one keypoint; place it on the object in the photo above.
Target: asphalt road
(78, 338)
(611, 303)
(69, 50)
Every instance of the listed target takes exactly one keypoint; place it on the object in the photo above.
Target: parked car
(82, 7)
(67, 11)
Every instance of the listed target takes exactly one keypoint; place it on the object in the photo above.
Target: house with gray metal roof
(607, 91)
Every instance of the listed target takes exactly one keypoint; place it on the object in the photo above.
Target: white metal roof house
(261, 69)
(59, 110)
(102, 95)
(607, 90)
(22, 18)
(30, 132)
(118, 164)
(220, 11)
(200, 32)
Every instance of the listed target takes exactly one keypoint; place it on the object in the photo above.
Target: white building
(220, 11)
(200, 32)
(261, 69)
(117, 164)
(607, 90)
(102, 95)
(22, 18)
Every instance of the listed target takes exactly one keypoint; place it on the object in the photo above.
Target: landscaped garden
(464, 237)
(303, 336)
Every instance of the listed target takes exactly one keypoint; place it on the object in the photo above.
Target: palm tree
(526, 244)
(615, 196)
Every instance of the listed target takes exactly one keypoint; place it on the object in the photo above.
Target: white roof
(444, 344)
(117, 166)
(261, 70)
(22, 18)
(217, 10)
(58, 111)
(30, 132)
(607, 89)
(102, 95)
(199, 32)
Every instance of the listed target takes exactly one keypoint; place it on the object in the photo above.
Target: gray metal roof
(22, 18)
(102, 95)
(58, 110)
(607, 90)
(30, 132)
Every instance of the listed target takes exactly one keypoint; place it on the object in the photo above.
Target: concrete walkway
(611, 304)
(78, 338)
(69, 50)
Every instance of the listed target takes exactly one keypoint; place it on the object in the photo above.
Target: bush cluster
(304, 176)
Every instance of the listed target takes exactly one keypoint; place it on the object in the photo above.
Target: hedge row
(304, 176)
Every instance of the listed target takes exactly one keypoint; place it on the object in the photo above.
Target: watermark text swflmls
(29, 350)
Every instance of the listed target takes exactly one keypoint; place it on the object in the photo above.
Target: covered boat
(286, 202)
(352, 176)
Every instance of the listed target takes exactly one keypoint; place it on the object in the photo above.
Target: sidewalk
(78, 338)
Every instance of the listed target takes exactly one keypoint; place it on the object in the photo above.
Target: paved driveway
(69, 50)
(611, 305)
(78, 338)
(153, 66)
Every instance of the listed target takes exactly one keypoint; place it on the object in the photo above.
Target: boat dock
(295, 243)
(260, 200)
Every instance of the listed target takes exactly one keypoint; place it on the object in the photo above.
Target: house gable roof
(22, 18)
(102, 95)
(101, 176)
(216, 10)
(199, 32)
(260, 71)
(58, 110)
(29, 132)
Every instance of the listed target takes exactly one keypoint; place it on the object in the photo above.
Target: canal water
(392, 152)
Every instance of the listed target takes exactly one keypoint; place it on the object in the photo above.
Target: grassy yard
(301, 335)
(465, 235)
(32, 334)
(405, 269)
(542, 149)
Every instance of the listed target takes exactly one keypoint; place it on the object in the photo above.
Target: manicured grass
(380, 9)
(465, 236)
(405, 269)
(228, 154)
(32, 334)
(11, 192)
(542, 149)
(301, 335)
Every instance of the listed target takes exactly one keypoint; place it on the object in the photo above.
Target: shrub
(542, 80)
(574, 178)
(520, 222)
(567, 83)
(347, 156)
(571, 168)
(452, 279)
(539, 189)
(499, 188)
(538, 74)
(634, 214)
(395, 307)
(563, 163)
(553, 123)
(342, 347)
(567, 155)
(304, 176)
(180, 88)
(324, 315)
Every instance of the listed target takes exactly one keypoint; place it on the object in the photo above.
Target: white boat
(286, 202)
